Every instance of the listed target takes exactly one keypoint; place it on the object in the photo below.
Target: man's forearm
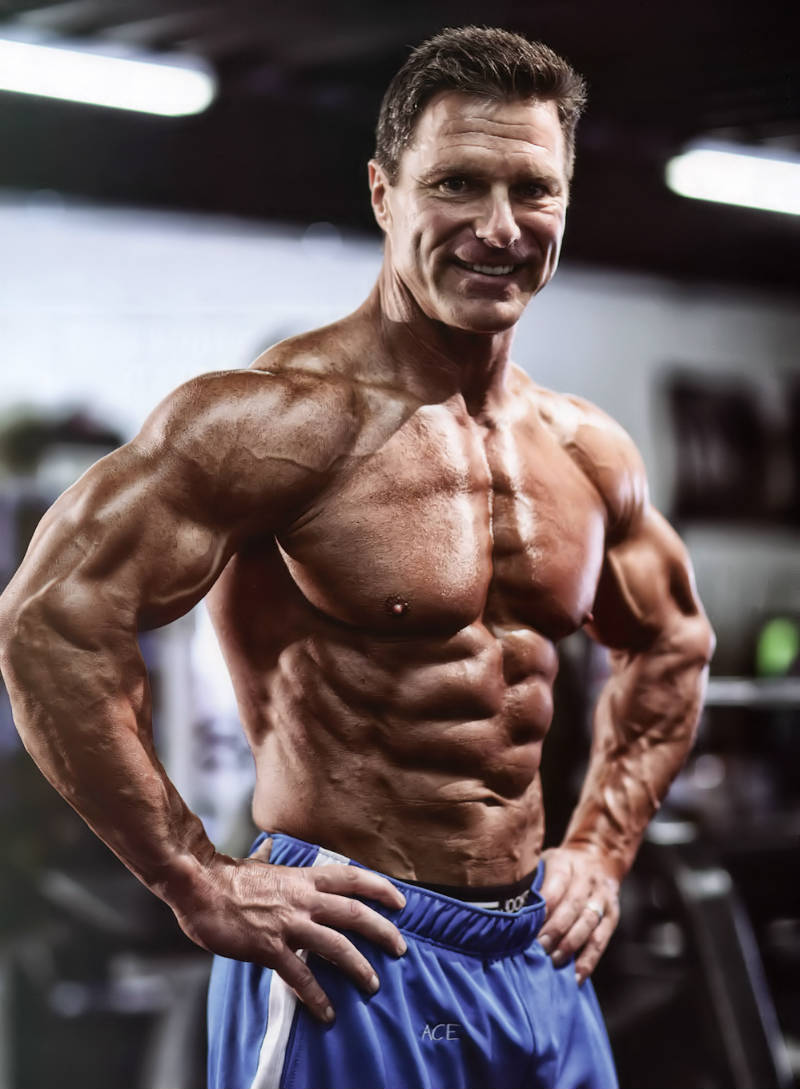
(645, 722)
(81, 702)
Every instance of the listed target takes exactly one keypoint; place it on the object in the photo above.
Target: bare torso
(393, 651)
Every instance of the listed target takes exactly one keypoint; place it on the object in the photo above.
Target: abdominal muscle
(418, 757)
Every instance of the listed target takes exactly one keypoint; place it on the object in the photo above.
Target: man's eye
(533, 191)
(453, 185)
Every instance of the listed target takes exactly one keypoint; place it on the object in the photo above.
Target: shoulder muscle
(248, 441)
(605, 452)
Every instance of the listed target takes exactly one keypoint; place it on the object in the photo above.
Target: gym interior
(138, 249)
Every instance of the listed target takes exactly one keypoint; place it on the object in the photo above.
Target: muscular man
(396, 527)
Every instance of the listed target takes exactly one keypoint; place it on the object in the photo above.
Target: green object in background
(778, 647)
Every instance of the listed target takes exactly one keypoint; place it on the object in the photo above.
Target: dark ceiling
(300, 85)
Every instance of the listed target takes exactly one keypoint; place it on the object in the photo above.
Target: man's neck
(431, 358)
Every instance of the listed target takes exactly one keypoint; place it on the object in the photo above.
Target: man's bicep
(123, 545)
(174, 546)
(646, 587)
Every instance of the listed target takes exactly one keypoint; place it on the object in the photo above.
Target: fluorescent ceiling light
(734, 174)
(172, 86)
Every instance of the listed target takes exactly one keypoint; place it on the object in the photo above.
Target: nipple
(396, 606)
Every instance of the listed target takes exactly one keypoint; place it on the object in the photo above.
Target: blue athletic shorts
(475, 1003)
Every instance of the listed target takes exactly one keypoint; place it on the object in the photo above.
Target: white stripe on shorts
(282, 1005)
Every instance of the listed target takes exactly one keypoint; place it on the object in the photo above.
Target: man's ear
(379, 190)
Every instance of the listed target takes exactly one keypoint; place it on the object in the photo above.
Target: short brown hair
(484, 61)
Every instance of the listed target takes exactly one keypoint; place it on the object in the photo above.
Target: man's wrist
(614, 862)
(185, 880)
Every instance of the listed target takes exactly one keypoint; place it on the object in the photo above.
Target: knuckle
(605, 931)
(329, 876)
(316, 905)
(591, 941)
(581, 933)
(355, 909)
(555, 929)
(567, 947)
(590, 952)
(272, 946)
(321, 878)
(559, 880)
(294, 885)
(595, 945)
(562, 921)
(591, 959)
(304, 976)
(303, 899)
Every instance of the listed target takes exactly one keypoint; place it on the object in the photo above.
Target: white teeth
(492, 270)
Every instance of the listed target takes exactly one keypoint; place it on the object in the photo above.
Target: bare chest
(447, 524)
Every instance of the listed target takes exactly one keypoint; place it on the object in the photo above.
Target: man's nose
(496, 224)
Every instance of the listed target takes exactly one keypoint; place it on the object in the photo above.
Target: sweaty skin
(396, 527)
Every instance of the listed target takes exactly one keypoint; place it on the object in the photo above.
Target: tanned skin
(396, 527)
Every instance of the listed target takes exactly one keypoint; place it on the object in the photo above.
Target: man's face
(475, 218)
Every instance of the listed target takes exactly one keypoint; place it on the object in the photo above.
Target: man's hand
(582, 900)
(252, 911)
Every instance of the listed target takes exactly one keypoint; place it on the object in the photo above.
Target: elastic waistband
(433, 916)
(487, 896)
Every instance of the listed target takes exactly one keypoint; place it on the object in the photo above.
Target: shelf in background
(753, 692)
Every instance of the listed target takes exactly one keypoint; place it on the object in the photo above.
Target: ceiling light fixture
(752, 177)
(172, 86)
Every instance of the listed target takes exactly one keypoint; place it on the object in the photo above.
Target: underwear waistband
(510, 897)
(434, 916)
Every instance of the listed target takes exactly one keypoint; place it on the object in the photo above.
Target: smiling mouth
(488, 270)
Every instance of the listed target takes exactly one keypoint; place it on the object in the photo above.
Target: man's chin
(496, 317)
